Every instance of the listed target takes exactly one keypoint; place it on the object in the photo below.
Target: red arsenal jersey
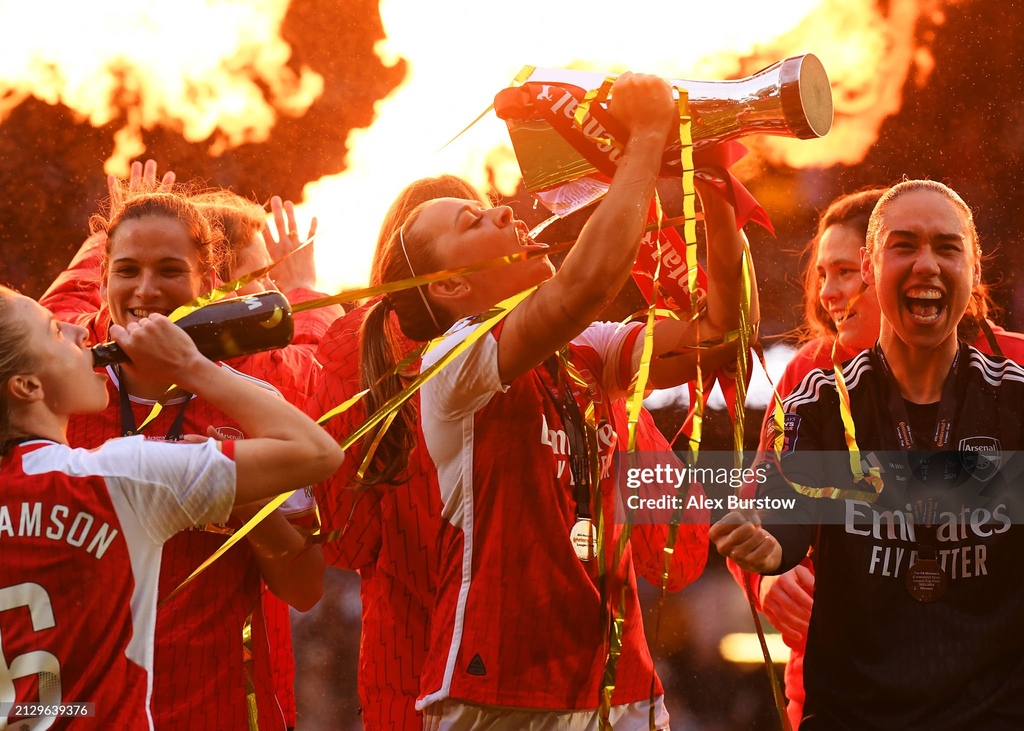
(387, 533)
(519, 619)
(81, 535)
(200, 678)
(74, 296)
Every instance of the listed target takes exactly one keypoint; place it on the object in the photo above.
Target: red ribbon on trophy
(597, 142)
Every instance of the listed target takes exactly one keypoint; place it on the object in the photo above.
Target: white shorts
(452, 715)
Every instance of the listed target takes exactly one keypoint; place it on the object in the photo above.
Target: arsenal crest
(981, 457)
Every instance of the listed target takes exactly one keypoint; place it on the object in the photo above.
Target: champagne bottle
(226, 329)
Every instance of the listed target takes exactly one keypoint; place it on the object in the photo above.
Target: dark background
(964, 127)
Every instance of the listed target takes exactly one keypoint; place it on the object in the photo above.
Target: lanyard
(576, 436)
(128, 418)
(898, 409)
(925, 579)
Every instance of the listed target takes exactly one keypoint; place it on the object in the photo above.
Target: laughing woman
(911, 628)
(161, 253)
(841, 310)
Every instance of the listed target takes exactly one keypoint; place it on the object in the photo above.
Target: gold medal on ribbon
(584, 539)
(926, 581)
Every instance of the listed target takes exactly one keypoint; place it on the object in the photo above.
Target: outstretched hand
(739, 536)
(298, 271)
(141, 180)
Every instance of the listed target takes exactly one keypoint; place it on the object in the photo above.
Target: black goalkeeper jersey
(876, 657)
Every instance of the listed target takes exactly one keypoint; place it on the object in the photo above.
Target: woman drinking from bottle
(78, 582)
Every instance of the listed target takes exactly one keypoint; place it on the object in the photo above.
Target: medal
(926, 581)
(584, 539)
(583, 534)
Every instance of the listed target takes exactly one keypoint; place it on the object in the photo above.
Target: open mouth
(141, 313)
(925, 304)
(524, 238)
(841, 316)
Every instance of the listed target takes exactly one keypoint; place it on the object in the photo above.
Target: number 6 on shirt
(37, 662)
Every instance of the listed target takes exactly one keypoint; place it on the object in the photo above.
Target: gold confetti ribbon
(634, 403)
(697, 409)
(250, 686)
(486, 322)
(873, 477)
(520, 78)
(747, 330)
(595, 96)
(346, 296)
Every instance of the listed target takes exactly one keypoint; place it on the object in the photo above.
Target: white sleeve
(299, 503)
(607, 340)
(465, 385)
(169, 485)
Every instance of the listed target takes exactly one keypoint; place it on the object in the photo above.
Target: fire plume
(869, 56)
(210, 69)
(218, 72)
(459, 56)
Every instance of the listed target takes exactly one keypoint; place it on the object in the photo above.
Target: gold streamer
(635, 400)
(353, 295)
(372, 449)
(742, 368)
(873, 478)
(690, 239)
(595, 96)
(487, 321)
(697, 307)
(522, 76)
(350, 295)
(773, 677)
(247, 663)
(234, 285)
(414, 355)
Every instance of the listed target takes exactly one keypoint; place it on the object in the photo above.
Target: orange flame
(868, 57)
(217, 70)
(459, 57)
(197, 66)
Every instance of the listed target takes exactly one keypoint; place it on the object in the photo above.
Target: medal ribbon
(898, 408)
(576, 435)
